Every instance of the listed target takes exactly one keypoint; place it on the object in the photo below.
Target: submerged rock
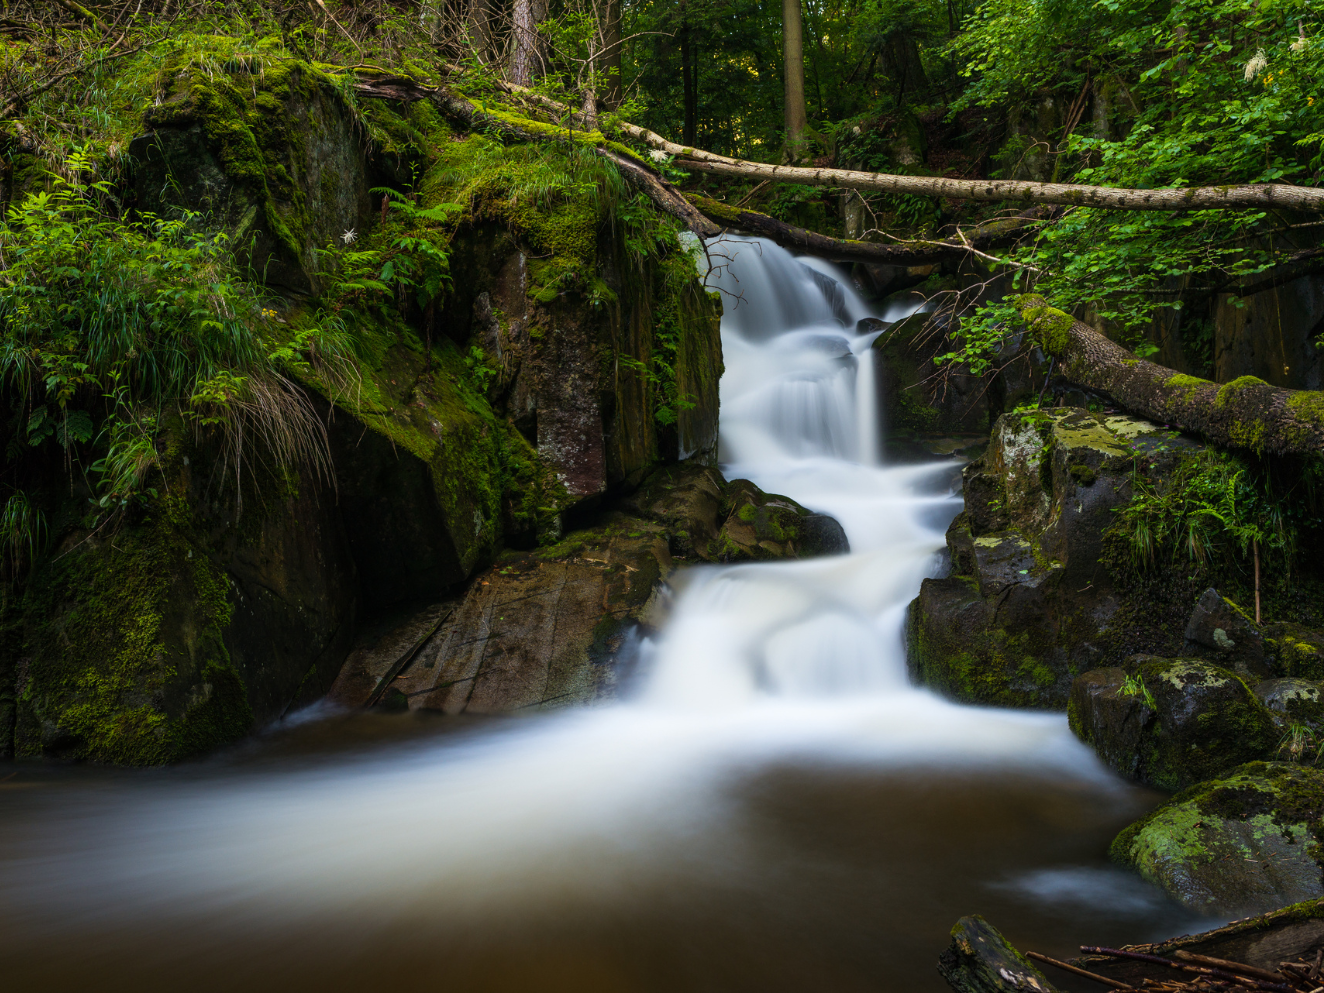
(1242, 844)
(1169, 723)
(1028, 603)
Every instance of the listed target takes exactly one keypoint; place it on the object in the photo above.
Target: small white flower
(349, 237)
(855, 130)
(1256, 65)
(1300, 45)
(657, 155)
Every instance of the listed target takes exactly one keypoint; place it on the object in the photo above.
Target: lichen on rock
(1243, 843)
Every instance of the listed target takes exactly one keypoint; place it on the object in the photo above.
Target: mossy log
(1245, 413)
(1253, 196)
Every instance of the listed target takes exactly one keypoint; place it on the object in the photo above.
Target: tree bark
(793, 70)
(482, 29)
(797, 239)
(526, 63)
(1245, 413)
(613, 89)
(688, 75)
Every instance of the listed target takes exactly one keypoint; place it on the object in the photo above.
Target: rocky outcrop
(1169, 723)
(1028, 601)
(561, 624)
(157, 640)
(560, 367)
(1245, 843)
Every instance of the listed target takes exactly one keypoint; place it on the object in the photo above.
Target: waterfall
(648, 844)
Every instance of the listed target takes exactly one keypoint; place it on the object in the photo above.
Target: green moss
(1231, 392)
(1188, 384)
(1307, 406)
(1050, 326)
(128, 662)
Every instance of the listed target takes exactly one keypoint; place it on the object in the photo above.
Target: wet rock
(981, 960)
(1029, 601)
(1242, 844)
(562, 624)
(1295, 650)
(1297, 711)
(1219, 626)
(1169, 723)
(688, 499)
(766, 526)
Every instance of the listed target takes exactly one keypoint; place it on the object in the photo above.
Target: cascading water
(777, 809)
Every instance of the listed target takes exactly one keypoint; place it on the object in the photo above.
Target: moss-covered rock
(182, 627)
(1297, 711)
(766, 526)
(1169, 723)
(1295, 650)
(1245, 843)
(1028, 603)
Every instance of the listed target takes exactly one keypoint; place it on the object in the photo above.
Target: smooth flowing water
(776, 808)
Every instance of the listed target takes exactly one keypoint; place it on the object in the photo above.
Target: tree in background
(793, 72)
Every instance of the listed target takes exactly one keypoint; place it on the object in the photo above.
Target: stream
(773, 807)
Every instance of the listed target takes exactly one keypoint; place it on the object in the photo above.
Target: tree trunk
(482, 29)
(527, 62)
(1245, 413)
(793, 62)
(986, 235)
(690, 124)
(613, 88)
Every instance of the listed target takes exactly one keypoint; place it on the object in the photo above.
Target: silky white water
(644, 823)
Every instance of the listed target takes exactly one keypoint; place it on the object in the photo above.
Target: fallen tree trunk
(1256, 196)
(1245, 413)
(905, 253)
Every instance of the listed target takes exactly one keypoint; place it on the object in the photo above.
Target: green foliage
(1134, 686)
(1212, 509)
(1203, 93)
(22, 533)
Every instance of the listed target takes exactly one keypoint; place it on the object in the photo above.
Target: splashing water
(778, 808)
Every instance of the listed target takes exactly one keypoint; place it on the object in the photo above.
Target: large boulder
(1169, 723)
(1242, 844)
(1029, 601)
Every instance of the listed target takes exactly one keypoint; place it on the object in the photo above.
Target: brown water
(803, 874)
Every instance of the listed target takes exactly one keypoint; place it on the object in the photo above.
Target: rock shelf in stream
(561, 625)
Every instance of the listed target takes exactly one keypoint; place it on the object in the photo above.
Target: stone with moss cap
(1169, 723)
(1244, 843)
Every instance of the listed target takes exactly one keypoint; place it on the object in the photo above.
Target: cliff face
(560, 362)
